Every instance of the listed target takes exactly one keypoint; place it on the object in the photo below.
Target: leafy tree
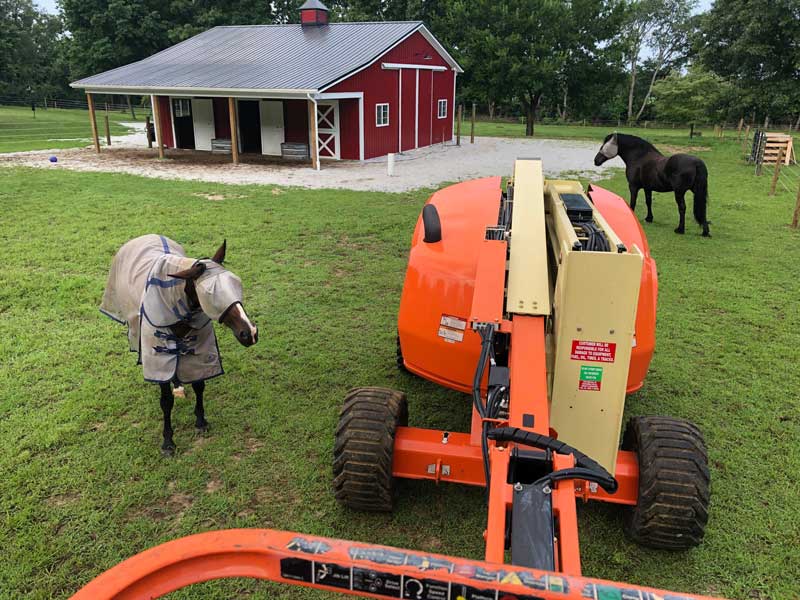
(695, 97)
(659, 28)
(754, 45)
(31, 43)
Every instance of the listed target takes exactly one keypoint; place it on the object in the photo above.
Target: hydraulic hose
(605, 481)
(544, 442)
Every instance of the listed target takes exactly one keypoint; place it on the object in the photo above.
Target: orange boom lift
(539, 301)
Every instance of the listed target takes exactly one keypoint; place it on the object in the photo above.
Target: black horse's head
(608, 150)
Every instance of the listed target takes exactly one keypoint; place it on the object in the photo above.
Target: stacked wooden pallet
(294, 151)
(221, 145)
(776, 142)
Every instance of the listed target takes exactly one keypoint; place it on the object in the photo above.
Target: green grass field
(54, 128)
(84, 485)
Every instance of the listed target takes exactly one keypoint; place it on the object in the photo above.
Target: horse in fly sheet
(168, 302)
(646, 168)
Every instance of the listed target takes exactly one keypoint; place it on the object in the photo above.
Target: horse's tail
(700, 190)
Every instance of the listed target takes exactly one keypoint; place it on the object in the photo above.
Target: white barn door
(328, 129)
(203, 119)
(272, 135)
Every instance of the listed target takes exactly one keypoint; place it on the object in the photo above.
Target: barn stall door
(203, 116)
(328, 129)
(271, 126)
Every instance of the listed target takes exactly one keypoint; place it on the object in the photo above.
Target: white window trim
(377, 106)
(439, 108)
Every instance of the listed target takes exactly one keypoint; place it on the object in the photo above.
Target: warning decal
(593, 351)
(590, 378)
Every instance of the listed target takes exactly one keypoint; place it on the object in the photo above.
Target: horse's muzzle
(599, 159)
(246, 338)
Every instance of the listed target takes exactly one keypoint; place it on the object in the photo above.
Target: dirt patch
(218, 197)
(213, 486)
(59, 500)
(684, 149)
(252, 445)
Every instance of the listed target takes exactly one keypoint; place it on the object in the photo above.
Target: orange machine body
(440, 283)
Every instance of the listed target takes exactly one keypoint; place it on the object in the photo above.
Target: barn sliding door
(328, 129)
(203, 118)
(272, 135)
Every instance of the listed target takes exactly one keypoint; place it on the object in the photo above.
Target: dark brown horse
(169, 302)
(649, 170)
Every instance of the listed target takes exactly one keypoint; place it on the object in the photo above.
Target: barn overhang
(194, 91)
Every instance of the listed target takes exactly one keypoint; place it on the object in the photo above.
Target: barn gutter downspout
(313, 126)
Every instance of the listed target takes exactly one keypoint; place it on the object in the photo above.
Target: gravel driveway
(426, 167)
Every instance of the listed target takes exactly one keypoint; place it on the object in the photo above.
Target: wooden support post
(312, 125)
(472, 127)
(458, 125)
(147, 129)
(777, 173)
(796, 215)
(157, 123)
(739, 129)
(234, 133)
(108, 131)
(90, 102)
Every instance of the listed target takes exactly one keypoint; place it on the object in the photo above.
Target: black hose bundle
(596, 240)
(585, 463)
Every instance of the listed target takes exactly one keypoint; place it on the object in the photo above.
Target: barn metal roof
(255, 58)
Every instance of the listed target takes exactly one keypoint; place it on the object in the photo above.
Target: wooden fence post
(472, 127)
(796, 214)
(722, 131)
(777, 173)
(157, 125)
(90, 102)
(458, 125)
(147, 130)
(312, 122)
(739, 129)
(235, 135)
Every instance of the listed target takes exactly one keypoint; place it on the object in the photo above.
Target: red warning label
(589, 386)
(593, 351)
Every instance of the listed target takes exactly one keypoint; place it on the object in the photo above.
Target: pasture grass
(55, 127)
(84, 485)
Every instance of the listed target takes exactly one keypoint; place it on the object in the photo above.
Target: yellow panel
(595, 309)
(528, 286)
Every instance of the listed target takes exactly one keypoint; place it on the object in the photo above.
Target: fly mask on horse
(168, 302)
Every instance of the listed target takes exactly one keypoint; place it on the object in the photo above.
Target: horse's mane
(632, 141)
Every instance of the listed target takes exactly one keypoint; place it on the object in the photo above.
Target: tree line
(594, 60)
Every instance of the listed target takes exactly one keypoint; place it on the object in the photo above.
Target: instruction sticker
(453, 322)
(590, 378)
(593, 351)
(451, 328)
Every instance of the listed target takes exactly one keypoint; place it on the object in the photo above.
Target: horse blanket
(141, 294)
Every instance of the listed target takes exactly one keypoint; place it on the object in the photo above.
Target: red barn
(315, 89)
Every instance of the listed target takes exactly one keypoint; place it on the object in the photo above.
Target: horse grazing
(168, 302)
(646, 168)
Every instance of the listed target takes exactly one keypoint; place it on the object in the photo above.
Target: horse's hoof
(706, 234)
(649, 219)
(168, 452)
(679, 230)
(201, 429)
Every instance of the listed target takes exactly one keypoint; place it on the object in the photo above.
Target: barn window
(442, 109)
(181, 107)
(381, 115)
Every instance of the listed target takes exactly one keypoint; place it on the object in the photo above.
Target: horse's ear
(192, 272)
(219, 255)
